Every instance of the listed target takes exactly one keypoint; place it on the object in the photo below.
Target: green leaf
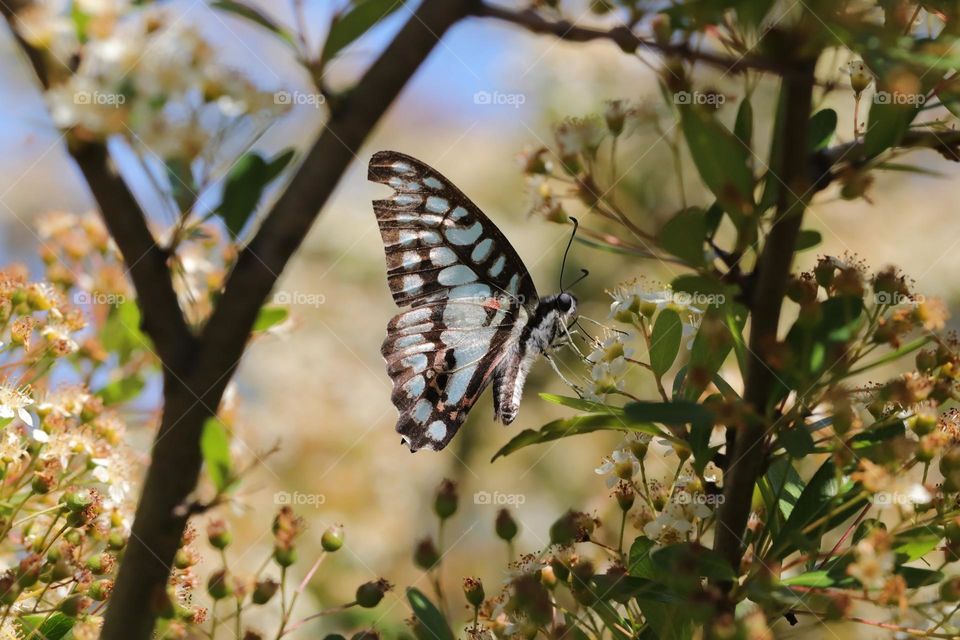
(886, 126)
(683, 565)
(121, 331)
(915, 544)
(797, 441)
(578, 425)
(253, 15)
(684, 234)
(820, 579)
(215, 447)
(122, 390)
(270, 316)
(917, 577)
(244, 186)
(711, 348)
(53, 627)
(434, 625)
(722, 160)
(665, 341)
(821, 128)
(347, 27)
(640, 563)
(674, 413)
(743, 126)
(581, 404)
(807, 239)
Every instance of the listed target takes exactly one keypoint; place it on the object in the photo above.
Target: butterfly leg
(556, 369)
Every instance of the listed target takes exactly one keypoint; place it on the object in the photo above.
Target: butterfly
(474, 315)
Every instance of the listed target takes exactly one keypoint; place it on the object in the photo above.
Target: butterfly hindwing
(470, 296)
(441, 356)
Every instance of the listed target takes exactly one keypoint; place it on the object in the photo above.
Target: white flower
(605, 378)
(612, 349)
(13, 404)
(874, 563)
(676, 522)
(622, 464)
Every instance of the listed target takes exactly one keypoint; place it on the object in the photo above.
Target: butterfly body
(474, 316)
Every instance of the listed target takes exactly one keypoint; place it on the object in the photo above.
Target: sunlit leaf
(254, 15)
(215, 448)
(347, 27)
(270, 316)
(244, 186)
(578, 425)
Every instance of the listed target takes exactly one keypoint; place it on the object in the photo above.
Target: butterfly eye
(564, 302)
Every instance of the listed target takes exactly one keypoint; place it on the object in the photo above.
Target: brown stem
(747, 458)
(627, 40)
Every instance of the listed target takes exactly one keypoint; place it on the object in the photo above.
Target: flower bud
(284, 556)
(369, 594)
(473, 591)
(445, 502)
(860, 77)
(264, 590)
(218, 535)
(73, 605)
(950, 589)
(116, 541)
(505, 526)
(218, 586)
(926, 361)
(76, 499)
(332, 538)
(573, 526)
(101, 590)
(625, 496)
(426, 555)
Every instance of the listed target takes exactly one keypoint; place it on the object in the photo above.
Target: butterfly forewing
(468, 290)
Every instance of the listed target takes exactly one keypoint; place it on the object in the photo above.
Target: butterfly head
(566, 305)
(556, 312)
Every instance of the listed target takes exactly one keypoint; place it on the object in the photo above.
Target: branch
(946, 143)
(748, 457)
(626, 39)
(146, 262)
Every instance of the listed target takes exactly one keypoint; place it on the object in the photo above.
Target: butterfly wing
(468, 291)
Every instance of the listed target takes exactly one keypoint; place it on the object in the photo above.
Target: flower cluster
(172, 101)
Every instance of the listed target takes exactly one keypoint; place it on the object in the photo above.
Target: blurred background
(321, 389)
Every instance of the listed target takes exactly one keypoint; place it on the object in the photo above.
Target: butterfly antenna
(563, 265)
